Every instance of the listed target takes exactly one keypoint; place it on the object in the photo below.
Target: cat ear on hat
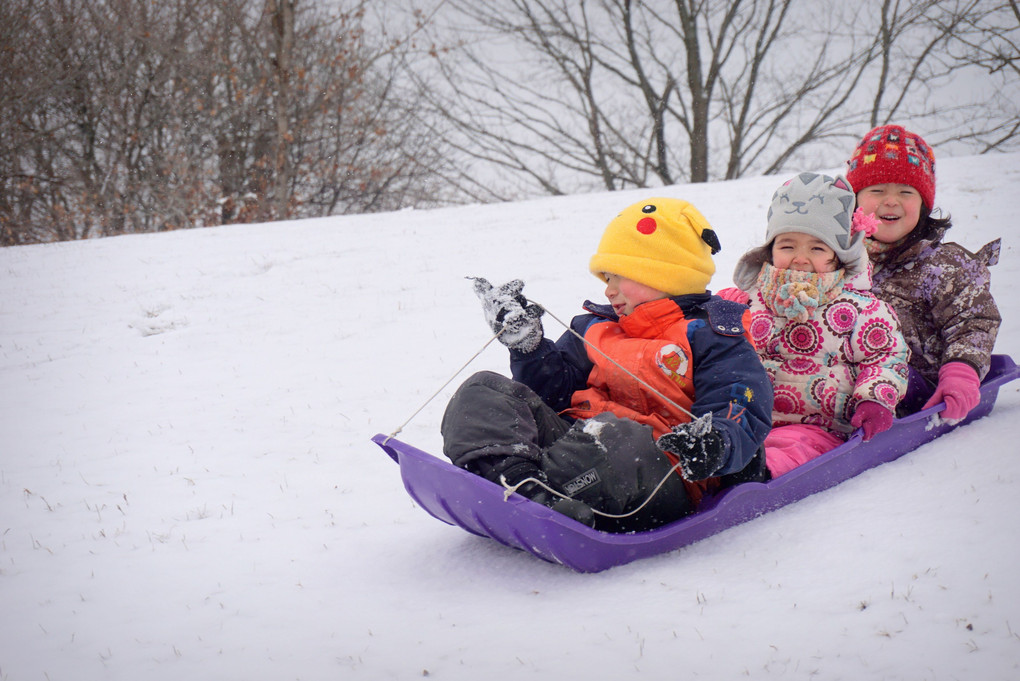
(709, 237)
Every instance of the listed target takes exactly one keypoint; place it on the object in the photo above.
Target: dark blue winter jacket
(723, 374)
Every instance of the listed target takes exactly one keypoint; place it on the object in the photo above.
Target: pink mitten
(959, 387)
(872, 417)
(734, 294)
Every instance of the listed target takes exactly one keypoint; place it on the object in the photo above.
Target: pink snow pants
(787, 447)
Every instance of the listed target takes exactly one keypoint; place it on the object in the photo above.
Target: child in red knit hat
(940, 291)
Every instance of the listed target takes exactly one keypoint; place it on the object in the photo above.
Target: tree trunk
(283, 34)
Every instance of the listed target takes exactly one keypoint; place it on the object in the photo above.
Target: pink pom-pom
(866, 223)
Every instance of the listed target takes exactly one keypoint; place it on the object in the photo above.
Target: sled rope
(699, 422)
(618, 365)
(497, 335)
(440, 389)
(510, 489)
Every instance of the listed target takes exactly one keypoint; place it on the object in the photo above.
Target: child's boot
(516, 469)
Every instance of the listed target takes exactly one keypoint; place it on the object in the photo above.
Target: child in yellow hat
(592, 423)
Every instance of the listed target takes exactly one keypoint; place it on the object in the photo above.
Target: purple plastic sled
(460, 498)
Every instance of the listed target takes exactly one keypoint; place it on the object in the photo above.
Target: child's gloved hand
(959, 387)
(872, 417)
(734, 294)
(701, 455)
(507, 311)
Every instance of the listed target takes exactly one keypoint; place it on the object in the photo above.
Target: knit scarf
(796, 295)
(877, 249)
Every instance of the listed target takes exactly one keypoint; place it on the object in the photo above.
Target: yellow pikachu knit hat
(663, 243)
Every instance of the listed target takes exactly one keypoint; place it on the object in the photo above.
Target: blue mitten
(508, 313)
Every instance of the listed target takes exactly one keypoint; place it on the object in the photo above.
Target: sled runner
(460, 498)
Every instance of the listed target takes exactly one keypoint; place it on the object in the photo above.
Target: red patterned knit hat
(892, 154)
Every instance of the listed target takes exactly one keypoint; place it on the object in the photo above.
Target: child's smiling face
(898, 206)
(625, 294)
(803, 253)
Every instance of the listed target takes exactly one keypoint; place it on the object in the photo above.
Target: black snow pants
(607, 462)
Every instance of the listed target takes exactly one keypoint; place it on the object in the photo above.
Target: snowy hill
(188, 489)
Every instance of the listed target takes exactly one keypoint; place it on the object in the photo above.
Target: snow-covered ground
(188, 489)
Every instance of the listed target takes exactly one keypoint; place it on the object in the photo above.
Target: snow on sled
(473, 503)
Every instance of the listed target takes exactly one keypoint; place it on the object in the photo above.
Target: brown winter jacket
(940, 292)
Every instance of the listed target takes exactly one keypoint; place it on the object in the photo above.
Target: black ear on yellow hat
(709, 237)
(663, 243)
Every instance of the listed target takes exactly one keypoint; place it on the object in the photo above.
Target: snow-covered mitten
(701, 451)
(959, 387)
(508, 313)
(872, 417)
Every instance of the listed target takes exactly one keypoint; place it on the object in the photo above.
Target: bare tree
(86, 138)
(986, 44)
(119, 116)
(559, 96)
(22, 90)
(282, 12)
(126, 117)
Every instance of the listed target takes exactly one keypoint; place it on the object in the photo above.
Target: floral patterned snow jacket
(941, 294)
(840, 347)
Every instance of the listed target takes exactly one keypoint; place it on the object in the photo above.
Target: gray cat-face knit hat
(814, 204)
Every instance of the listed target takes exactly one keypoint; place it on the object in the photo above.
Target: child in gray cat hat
(834, 352)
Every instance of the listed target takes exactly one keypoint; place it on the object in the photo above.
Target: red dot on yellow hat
(646, 225)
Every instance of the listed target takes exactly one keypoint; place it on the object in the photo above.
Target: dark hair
(928, 227)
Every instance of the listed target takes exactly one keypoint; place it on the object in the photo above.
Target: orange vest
(651, 344)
